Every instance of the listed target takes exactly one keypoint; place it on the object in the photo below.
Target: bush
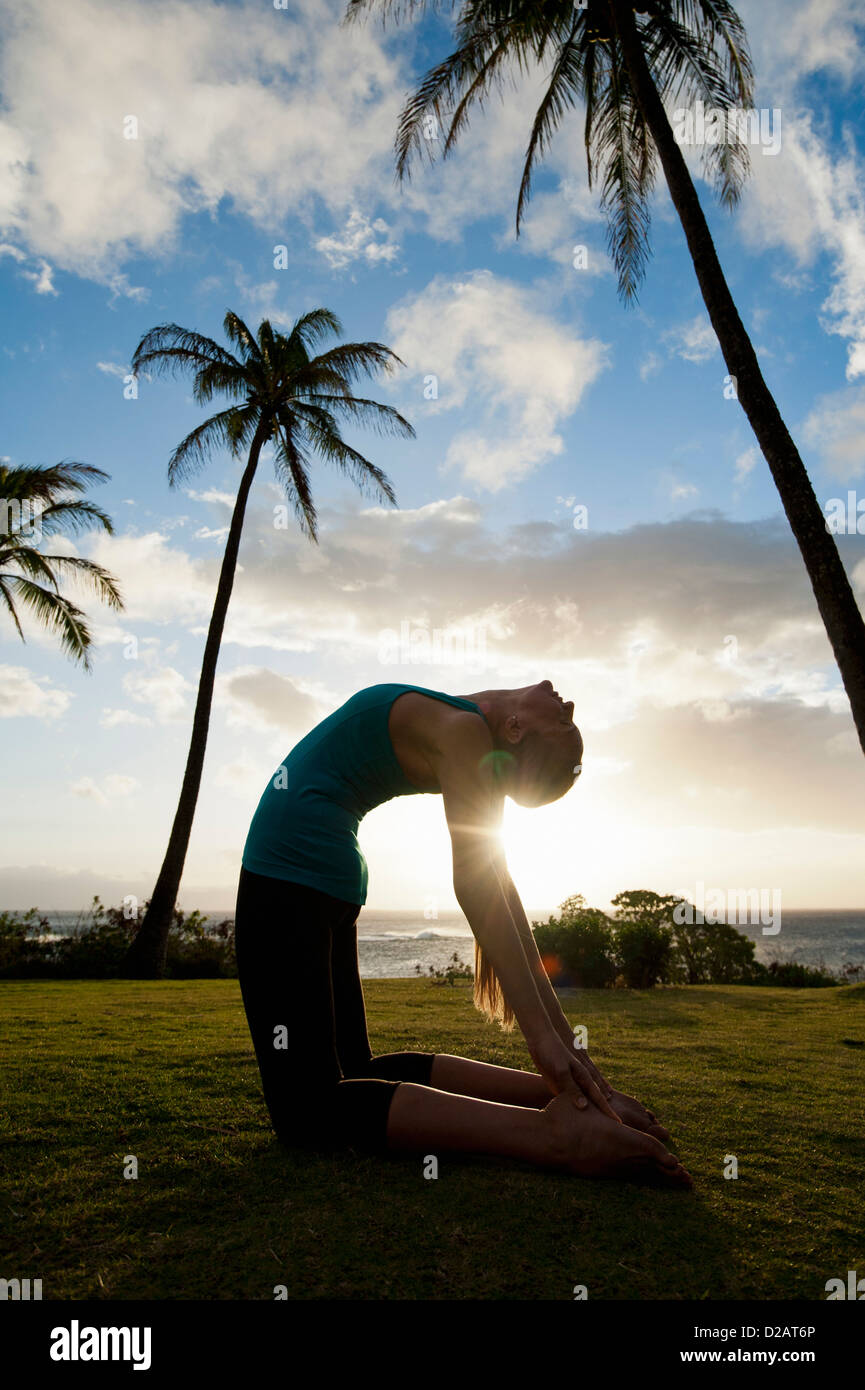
(577, 947)
(713, 953)
(97, 945)
(19, 944)
(644, 953)
(198, 952)
(456, 969)
(789, 974)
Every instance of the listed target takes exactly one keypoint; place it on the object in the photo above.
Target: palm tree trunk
(835, 598)
(145, 958)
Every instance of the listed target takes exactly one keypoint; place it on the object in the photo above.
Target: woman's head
(545, 744)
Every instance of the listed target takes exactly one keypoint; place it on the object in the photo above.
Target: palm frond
(368, 478)
(311, 328)
(32, 562)
(225, 379)
(73, 517)
(384, 419)
(7, 599)
(267, 343)
(352, 360)
(229, 429)
(237, 332)
(96, 576)
(485, 44)
(561, 95)
(44, 480)
(724, 26)
(624, 197)
(393, 10)
(291, 465)
(685, 66)
(168, 348)
(59, 614)
(696, 46)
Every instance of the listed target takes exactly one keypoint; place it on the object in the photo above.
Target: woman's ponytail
(489, 997)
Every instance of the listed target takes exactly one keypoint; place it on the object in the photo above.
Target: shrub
(577, 947)
(96, 946)
(198, 952)
(713, 953)
(789, 974)
(644, 953)
(20, 947)
(644, 938)
(456, 969)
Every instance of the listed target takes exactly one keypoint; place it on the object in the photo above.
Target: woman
(303, 881)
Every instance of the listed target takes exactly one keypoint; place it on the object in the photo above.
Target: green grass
(92, 1071)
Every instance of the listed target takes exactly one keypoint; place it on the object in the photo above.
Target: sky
(584, 501)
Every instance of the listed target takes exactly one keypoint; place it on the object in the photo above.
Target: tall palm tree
(38, 501)
(624, 60)
(283, 396)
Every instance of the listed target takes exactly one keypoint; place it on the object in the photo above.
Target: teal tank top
(305, 827)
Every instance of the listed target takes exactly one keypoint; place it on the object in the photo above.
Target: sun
(552, 851)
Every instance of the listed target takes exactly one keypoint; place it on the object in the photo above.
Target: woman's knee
(352, 1114)
(399, 1066)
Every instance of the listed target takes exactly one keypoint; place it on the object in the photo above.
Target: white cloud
(114, 718)
(828, 181)
(113, 369)
(114, 787)
(489, 341)
(86, 788)
(695, 341)
(117, 784)
(835, 428)
(680, 491)
(745, 464)
(162, 688)
(42, 278)
(360, 239)
(643, 613)
(555, 225)
(212, 494)
(271, 109)
(25, 695)
(208, 533)
(649, 366)
(260, 699)
(791, 39)
(161, 582)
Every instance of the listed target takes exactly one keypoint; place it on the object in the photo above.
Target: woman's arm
(473, 807)
(548, 996)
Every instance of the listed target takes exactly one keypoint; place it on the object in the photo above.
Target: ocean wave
(443, 934)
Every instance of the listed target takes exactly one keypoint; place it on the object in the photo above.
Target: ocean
(391, 944)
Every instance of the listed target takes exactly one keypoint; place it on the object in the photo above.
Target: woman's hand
(563, 1070)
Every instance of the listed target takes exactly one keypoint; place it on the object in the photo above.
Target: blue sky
(719, 745)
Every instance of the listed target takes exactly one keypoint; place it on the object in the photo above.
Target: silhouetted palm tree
(286, 397)
(623, 61)
(39, 501)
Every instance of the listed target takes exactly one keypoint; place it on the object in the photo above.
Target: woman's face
(544, 712)
(548, 707)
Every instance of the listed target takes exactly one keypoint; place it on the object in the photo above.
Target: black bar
(260, 1338)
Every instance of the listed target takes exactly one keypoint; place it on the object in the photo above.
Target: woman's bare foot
(589, 1144)
(631, 1112)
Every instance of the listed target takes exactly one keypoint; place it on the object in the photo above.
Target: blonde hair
(489, 998)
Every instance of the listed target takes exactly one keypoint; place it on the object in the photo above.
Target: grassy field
(95, 1071)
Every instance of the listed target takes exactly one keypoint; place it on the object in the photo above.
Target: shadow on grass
(320, 1225)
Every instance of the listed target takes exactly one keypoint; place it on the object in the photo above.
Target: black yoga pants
(299, 979)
